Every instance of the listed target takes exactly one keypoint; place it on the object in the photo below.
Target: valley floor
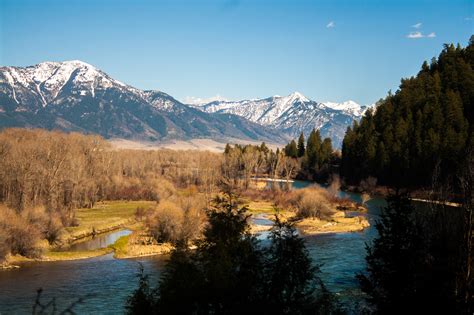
(110, 216)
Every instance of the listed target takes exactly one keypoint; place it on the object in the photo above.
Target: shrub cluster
(178, 219)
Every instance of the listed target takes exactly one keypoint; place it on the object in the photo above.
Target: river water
(106, 282)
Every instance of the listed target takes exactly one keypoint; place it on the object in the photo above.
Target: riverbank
(138, 244)
(12, 262)
(418, 194)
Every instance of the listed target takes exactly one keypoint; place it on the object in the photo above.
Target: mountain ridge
(76, 96)
(293, 114)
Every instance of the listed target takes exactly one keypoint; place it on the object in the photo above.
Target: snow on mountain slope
(349, 107)
(294, 114)
(76, 96)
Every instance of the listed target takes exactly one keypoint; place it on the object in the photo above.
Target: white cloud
(417, 25)
(469, 18)
(331, 24)
(192, 100)
(415, 35)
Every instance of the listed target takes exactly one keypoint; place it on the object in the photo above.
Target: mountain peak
(298, 96)
(67, 63)
(77, 63)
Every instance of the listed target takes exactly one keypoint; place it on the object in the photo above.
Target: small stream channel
(98, 241)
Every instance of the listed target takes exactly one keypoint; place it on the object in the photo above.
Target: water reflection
(99, 241)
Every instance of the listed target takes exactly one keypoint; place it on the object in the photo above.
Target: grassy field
(105, 216)
(260, 206)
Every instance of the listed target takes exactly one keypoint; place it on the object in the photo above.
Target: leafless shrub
(166, 224)
(4, 248)
(311, 202)
(192, 224)
(21, 236)
(141, 213)
(334, 186)
(179, 219)
(53, 229)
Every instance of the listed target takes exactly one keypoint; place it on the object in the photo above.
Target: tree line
(316, 158)
(243, 163)
(313, 159)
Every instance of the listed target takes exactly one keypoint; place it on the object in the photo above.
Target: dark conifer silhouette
(230, 272)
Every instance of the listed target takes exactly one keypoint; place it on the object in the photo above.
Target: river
(106, 282)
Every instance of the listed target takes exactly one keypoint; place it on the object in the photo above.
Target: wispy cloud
(331, 24)
(415, 35)
(418, 33)
(469, 18)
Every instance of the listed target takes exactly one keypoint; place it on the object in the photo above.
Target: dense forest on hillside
(420, 132)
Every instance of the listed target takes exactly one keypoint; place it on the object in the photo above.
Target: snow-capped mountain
(76, 96)
(294, 114)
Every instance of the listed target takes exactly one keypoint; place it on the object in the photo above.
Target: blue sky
(328, 50)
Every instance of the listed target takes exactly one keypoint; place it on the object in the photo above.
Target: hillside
(423, 132)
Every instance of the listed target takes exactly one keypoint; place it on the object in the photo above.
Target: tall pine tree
(301, 147)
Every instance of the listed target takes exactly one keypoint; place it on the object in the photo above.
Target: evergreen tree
(230, 273)
(313, 150)
(291, 149)
(223, 275)
(144, 298)
(301, 148)
(294, 286)
(413, 265)
(325, 152)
